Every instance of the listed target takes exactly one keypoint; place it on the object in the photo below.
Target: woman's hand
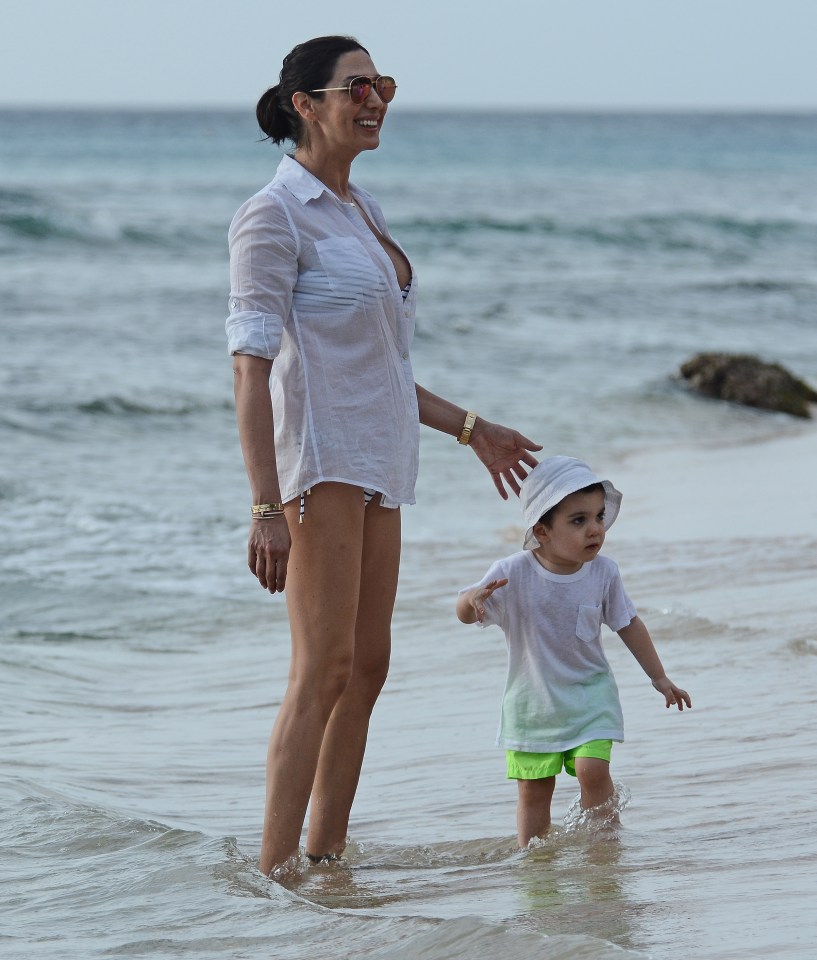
(268, 552)
(504, 452)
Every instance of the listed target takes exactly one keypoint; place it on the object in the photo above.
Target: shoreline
(758, 489)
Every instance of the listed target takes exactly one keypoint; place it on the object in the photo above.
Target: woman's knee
(369, 674)
(323, 677)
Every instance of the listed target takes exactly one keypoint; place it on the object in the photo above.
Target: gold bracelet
(259, 509)
(268, 516)
(465, 436)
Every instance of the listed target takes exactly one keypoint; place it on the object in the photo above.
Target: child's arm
(471, 604)
(638, 641)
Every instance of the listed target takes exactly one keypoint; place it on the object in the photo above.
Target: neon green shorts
(537, 766)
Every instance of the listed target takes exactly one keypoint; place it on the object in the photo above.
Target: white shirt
(313, 290)
(560, 691)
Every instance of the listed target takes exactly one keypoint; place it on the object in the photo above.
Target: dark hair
(307, 67)
(547, 518)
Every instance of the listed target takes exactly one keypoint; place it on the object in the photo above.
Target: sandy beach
(735, 525)
(751, 490)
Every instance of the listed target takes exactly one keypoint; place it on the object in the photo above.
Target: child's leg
(533, 808)
(595, 781)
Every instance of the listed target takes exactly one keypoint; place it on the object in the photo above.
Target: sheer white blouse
(313, 290)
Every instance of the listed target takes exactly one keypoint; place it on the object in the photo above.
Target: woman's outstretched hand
(505, 453)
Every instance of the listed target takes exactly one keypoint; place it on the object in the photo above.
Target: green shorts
(537, 766)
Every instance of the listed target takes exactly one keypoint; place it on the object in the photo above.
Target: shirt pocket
(588, 623)
(350, 270)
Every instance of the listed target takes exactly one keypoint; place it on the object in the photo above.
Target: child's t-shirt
(560, 691)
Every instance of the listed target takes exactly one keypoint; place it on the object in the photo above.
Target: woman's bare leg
(533, 808)
(344, 742)
(323, 583)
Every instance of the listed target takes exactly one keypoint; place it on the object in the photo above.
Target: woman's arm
(503, 451)
(268, 544)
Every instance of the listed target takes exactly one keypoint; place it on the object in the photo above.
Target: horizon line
(427, 108)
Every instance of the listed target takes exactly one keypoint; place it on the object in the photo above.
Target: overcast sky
(745, 54)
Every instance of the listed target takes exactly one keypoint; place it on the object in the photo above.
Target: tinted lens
(386, 88)
(359, 89)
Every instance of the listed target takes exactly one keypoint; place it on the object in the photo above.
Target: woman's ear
(303, 105)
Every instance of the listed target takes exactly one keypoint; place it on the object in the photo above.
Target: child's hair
(547, 518)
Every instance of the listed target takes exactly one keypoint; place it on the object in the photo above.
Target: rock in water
(749, 380)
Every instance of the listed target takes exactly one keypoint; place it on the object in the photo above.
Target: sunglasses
(359, 88)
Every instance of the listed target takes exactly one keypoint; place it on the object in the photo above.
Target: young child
(561, 704)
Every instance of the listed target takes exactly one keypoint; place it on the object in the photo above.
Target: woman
(329, 431)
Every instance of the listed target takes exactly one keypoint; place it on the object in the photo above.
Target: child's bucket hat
(550, 482)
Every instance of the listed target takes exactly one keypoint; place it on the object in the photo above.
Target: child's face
(576, 534)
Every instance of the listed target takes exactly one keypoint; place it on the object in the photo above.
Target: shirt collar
(302, 184)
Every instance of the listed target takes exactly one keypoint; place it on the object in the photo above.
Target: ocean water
(568, 264)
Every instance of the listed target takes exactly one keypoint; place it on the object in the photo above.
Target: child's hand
(478, 598)
(672, 694)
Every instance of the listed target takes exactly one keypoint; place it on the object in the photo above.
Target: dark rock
(748, 380)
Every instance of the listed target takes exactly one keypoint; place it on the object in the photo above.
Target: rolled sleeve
(258, 334)
(263, 274)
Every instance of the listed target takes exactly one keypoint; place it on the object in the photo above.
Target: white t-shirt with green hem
(560, 691)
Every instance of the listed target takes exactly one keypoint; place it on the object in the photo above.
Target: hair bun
(272, 118)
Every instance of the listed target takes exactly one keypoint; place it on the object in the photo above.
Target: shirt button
(405, 355)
